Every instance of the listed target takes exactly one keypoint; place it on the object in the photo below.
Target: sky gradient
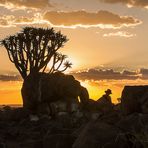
(101, 33)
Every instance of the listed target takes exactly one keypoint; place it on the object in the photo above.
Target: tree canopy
(33, 48)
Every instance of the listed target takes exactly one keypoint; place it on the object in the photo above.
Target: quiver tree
(31, 51)
(33, 48)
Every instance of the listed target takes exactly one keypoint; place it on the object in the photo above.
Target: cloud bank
(110, 74)
(130, 3)
(10, 78)
(102, 19)
(74, 19)
(95, 74)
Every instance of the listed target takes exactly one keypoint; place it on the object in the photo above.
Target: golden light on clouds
(129, 3)
(12, 21)
(101, 19)
(6, 21)
(25, 4)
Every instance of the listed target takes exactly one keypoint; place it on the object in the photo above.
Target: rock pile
(86, 127)
(18, 130)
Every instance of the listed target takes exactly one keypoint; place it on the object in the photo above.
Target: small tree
(33, 48)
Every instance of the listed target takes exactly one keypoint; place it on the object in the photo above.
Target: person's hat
(108, 91)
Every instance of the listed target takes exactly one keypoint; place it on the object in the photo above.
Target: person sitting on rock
(106, 96)
(105, 103)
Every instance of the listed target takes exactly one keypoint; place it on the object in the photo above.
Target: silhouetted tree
(31, 51)
(33, 48)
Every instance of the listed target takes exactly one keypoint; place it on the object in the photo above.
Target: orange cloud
(6, 21)
(130, 3)
(74, 19)
(119, 34)
(12, 21)
(22, 4)
(102, 19)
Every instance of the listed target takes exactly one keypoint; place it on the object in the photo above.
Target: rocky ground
(19, 129)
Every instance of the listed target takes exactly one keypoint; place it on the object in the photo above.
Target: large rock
(108, 131)
(102, 133)
(47, 88)
(10, 114)
(134, 99)
(96, 134)
(58, 141)
(136, 125)
(31, 144)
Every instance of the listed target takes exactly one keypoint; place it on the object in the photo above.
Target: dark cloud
(33, 4)
(138, 3)
(10, 78)
(103, 19)
(144, 73)
(111, 74)
(129, 73)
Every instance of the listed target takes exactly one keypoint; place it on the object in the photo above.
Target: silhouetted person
(104, 103)
(106, 96)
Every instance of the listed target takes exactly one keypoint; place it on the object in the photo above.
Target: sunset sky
(101, 33)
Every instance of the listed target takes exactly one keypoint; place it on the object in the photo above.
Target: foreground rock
(96, 134)
(42, 88)
(134, 99)
(123, 125)
(18, 130)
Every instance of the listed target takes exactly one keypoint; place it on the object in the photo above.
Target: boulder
(48, 88)
(104, 106)
(96, 134)
(144, 103)
(11, 114)
(134, 99)
(2, 145)
(125, 140)
(58, 141)
(103, 133)
(31, 144)
(110, 118)
(134, 123)
(137, 126)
